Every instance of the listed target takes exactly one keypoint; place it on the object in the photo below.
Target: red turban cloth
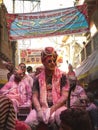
(48, 51)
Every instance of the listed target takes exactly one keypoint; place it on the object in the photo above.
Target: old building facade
(88, 70)
(7, 48)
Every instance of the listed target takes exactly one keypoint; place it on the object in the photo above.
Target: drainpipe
(13, 6)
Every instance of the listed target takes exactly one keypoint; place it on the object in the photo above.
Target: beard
(17, 78)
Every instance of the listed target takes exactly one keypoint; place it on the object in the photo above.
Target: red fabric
(20, 125)
(48, 52)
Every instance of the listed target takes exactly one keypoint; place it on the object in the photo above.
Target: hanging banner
(48, 23)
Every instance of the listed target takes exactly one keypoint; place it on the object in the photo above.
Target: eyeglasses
(23, 67)
(51, 61)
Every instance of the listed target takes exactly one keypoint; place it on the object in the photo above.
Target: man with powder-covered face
(50, 91)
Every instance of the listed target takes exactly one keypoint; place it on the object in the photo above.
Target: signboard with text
(30, 56)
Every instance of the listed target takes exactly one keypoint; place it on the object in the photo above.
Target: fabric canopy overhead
(47, 23)
(89, 68)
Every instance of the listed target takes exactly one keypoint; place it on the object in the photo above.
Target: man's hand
(40, 115)
(46, 115)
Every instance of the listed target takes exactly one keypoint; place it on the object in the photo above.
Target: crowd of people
(55, 98)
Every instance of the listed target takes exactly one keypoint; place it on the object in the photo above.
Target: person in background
(71, 73)
(18, 91)
(30, 71)
(10, 67)
(25, 77)
(50, 91)
(78, 95)
(92, 109)
(75, 119)
(39, 70)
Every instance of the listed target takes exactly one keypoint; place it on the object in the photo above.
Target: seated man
(18, 91)
(25, 77)
(50, 91)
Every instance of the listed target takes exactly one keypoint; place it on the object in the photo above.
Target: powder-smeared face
(50, 63)
(22, 66)
(18, 75)
(49, 57)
